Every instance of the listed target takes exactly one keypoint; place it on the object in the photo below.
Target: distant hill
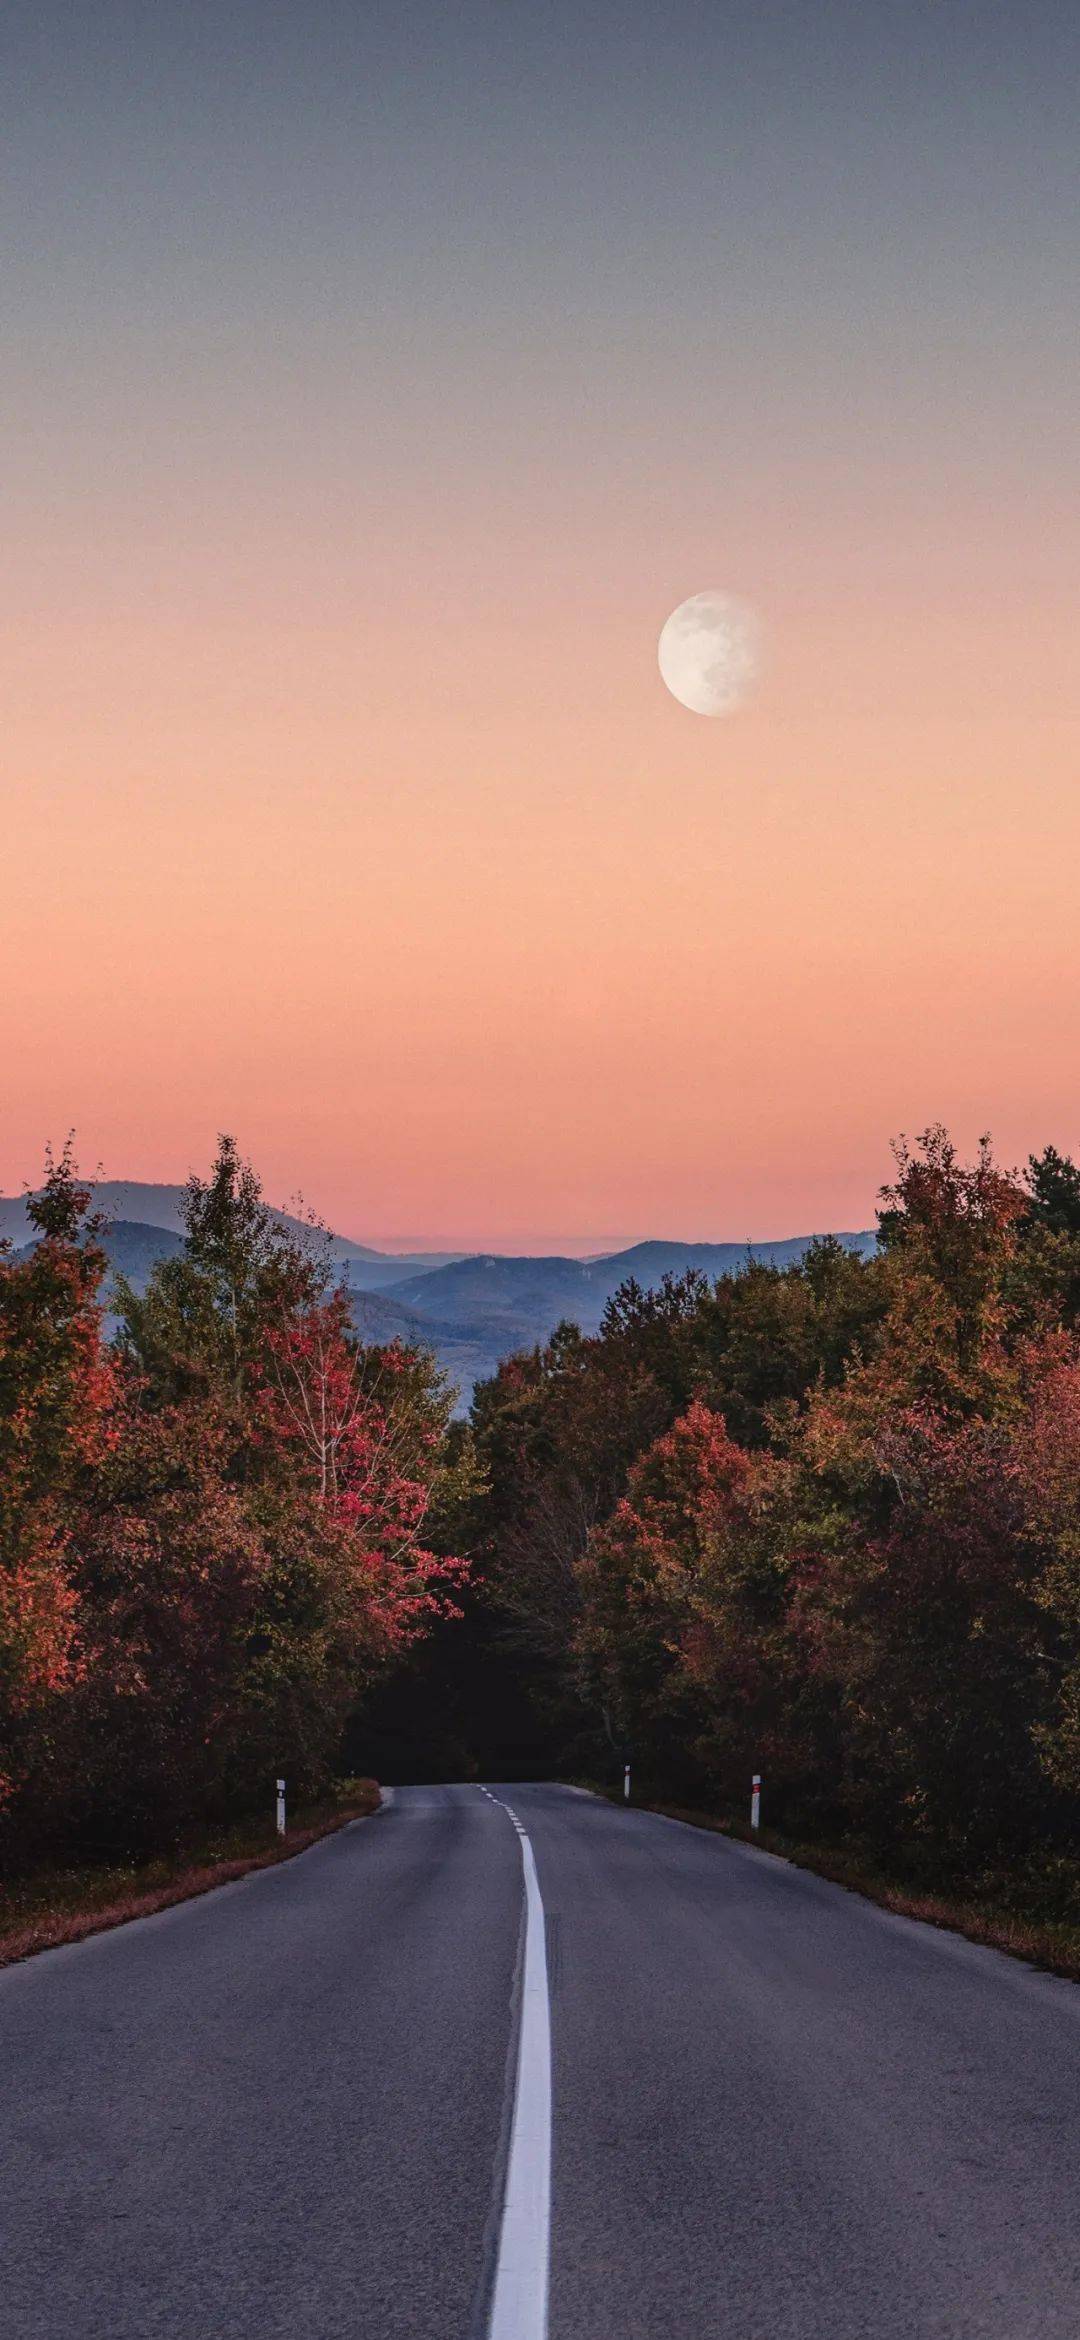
(132, 1202)
(135, 1250)
(650, 1261)
(124, 1199)
(132, 1249)
(475, 1311)
(375, 1271)
(527, 1297)
(466, 1353)
(469, 1311)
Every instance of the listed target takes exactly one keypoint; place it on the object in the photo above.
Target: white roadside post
(281, 1807)
(755, 1801)
(626, 1783)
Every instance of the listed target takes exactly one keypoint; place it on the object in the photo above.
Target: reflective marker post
(281, 1807)
(626, 1783)
(755, 1801)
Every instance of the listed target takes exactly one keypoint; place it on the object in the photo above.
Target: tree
(331, 1458)
(1045, 1466)
(920, 1608)
(216, 1536)
(767, 1336)
(57, 1394)
(1053, 1192)
(1043, 1286)
(205, 1318)
(640, 1577)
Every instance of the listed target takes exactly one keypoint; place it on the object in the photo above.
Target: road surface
(286, 2111)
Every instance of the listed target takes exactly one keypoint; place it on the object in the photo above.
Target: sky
(376, 381)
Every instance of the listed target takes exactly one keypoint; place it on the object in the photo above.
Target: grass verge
(64, 1904)
(987, 1917)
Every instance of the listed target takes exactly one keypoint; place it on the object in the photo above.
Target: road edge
(1026, 1943)
(20, 1943)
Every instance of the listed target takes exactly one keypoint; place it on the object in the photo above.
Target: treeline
(221, 1519)
(822, 1523)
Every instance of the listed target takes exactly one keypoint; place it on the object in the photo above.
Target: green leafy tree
(57, 1397)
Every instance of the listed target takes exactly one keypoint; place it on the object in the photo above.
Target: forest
(220, 1521)
(820, 1522)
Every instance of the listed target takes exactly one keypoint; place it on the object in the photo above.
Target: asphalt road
(283, 2112)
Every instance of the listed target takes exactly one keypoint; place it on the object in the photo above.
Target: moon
(709, 653)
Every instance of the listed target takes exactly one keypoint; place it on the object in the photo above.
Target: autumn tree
(57, 1394)
(216, 1534)
(329, 1462)
(640, 1577)
(881, 1606)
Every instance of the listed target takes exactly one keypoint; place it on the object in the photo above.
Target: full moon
(709, 653)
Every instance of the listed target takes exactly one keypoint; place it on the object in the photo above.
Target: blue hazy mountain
(132, 1249)
(648, 1262)
(469, 1310)
(527, 1296)
(132, 1202)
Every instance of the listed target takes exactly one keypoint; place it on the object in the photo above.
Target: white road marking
(519, 2306)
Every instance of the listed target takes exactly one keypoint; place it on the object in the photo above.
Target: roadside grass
(63, 1904)
(993, 1914)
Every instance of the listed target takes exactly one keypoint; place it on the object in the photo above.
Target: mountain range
(469, 1309)
(129, 1204)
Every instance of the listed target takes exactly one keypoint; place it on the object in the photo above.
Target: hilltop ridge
(471, 1309)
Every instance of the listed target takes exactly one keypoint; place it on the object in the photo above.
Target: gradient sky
(376, 380)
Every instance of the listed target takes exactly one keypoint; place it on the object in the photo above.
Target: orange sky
(345, 809)
(479, 937)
